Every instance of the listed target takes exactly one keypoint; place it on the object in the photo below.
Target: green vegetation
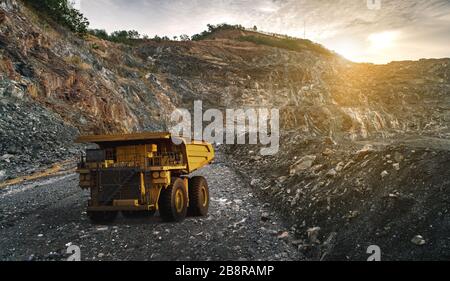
(274, 40)
(95, 47)
(62, 12)
(128, 37)
(214, 28)
(122, 36)
(160, 39)
(100, 33)
(184, 37)
(292, 44)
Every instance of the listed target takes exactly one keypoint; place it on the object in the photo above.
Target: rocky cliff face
(350, 132)
(94, 84)
(50, 78)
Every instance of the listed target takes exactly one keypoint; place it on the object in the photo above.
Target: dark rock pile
(31, 137)
(382, 193)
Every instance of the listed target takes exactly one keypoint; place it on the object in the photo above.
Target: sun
(383, 40)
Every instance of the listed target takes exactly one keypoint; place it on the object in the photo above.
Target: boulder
(313, 234)
(366, 150)
(418, 240)
(327, 152)
(396, 166)
(303, 164)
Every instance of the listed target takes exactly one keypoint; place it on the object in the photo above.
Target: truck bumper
(122, 205)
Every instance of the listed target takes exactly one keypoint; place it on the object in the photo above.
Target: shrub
(184, 37)
(122, 36)
(99, 33)
(62, 12)
(214, 28)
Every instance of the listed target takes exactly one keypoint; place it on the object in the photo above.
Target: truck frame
(139, 174)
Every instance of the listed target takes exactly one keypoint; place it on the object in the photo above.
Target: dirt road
(39, 220)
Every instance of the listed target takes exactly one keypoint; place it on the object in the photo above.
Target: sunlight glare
(383, 40)
(349, 51)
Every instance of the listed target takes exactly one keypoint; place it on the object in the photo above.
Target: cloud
(330, 22)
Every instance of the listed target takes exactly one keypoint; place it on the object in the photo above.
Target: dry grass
(54, 170)
(78, 62)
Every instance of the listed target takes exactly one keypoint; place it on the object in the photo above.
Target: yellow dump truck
(139, 174)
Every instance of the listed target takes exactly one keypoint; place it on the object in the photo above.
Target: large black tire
(138, 214)
(198, 197)
(173, 202)
(102, 217)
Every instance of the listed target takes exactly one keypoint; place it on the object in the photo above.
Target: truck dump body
(196, 154)
(135, 172)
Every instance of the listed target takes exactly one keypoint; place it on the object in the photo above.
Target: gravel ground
(351, 195)
(39, 220)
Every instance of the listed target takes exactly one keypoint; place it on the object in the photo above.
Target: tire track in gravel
(38, 221)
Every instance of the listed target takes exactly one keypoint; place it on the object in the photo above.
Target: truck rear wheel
(173, 202)
(102, 217)
(198, 197)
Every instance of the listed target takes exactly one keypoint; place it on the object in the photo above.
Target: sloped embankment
(353, 195)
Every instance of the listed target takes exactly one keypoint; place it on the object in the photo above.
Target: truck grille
(118, 184)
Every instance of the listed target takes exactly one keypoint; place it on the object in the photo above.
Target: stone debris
(284, 235)
(303, 164)
(265, 217)
(313, 235)
(366, 150)
(418, 240)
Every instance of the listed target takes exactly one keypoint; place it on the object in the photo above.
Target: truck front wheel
(198, 197)
(173, 202)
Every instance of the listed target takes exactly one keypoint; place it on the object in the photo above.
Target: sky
(377, 31)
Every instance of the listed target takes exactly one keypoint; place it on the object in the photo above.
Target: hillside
(344, 125)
